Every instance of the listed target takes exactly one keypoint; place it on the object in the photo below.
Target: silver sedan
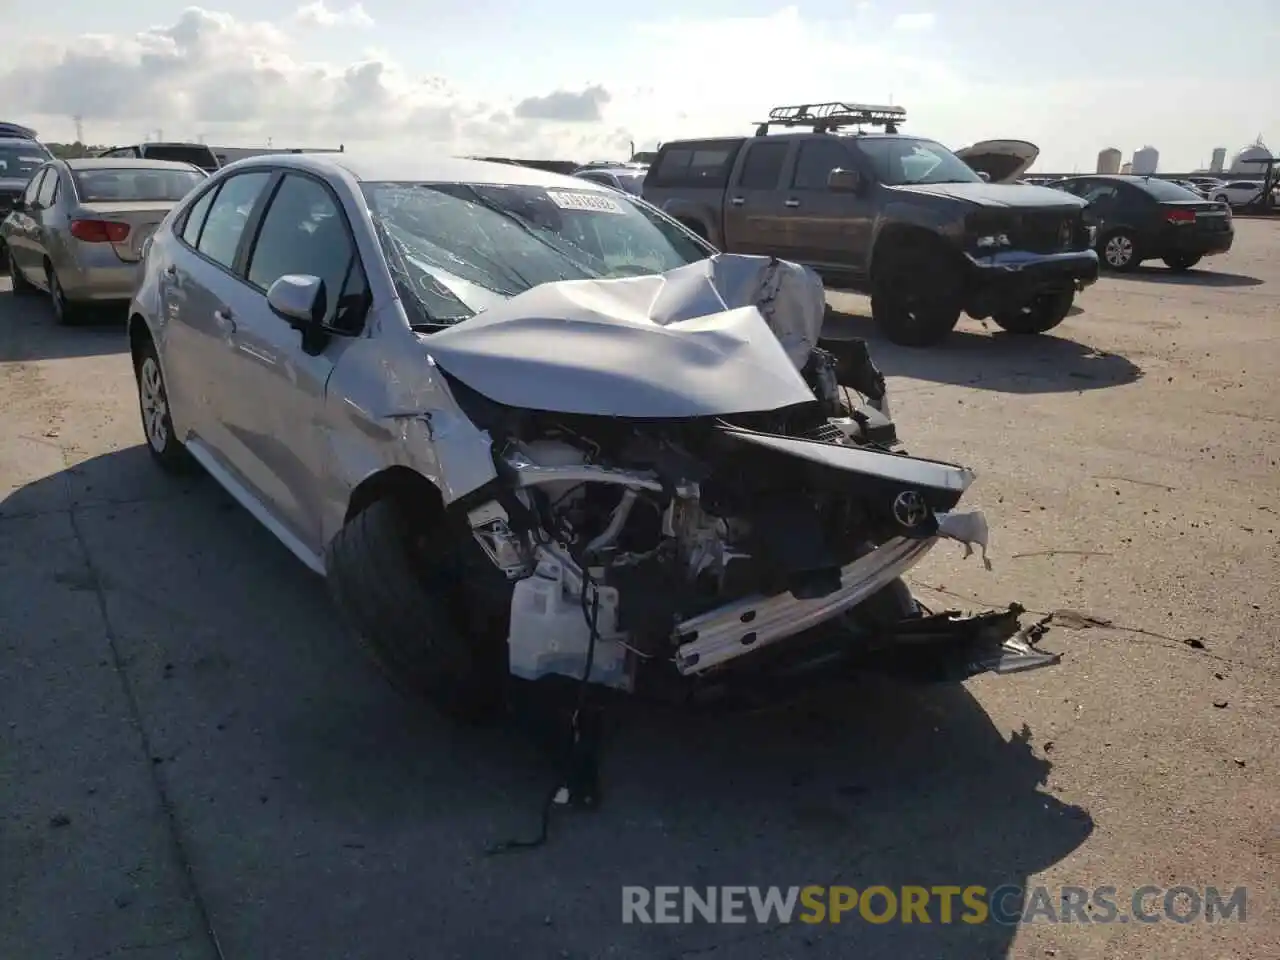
(80, 228)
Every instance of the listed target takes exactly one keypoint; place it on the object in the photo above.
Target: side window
(48, 188)
(599, 178)
(818, 157)
(195, 218)
(763, 165)
(305, 231)
(33, 188)
(703, 164)
(1100, 194)
(228, 215)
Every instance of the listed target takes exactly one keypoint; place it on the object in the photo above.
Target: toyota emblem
(909, 509)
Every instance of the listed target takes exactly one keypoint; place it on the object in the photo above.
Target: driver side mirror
(300, 300)
(844, 181)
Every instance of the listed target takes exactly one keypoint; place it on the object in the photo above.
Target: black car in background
(1145, 218)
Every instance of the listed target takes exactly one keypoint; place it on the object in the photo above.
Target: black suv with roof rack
(899, 217)
(21, 155)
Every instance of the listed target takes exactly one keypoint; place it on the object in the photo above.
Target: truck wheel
(916, 295)
(397, 587)
(1042, 314)
(1181, 263)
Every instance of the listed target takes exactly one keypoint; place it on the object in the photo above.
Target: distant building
(1219, 161)
(1109, 160)
(1126, 169)
(1255, 151)
(1146, 161)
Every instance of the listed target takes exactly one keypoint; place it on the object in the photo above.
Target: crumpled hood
(724, 335)
(996, 194)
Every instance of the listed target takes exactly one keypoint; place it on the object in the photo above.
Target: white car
(1237, 192)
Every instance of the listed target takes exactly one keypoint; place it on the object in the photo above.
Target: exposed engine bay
(644, 550)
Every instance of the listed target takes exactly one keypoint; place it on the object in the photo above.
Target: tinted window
(143, 185)
(816, 161)
(202, 157)
(19, 161)
(195, 217)
(695, 165)
(228, 216)
(1097, 192)
(33, 188)
(304, 232)
(763, 165)
(48, 189)
(1168, 190)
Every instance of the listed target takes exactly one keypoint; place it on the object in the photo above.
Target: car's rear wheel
(916, 294)
(21, 285)
(1181, 263)
(398, 587)
(1042, 314)
(65, 311)
(1120, 251)
(153, 404)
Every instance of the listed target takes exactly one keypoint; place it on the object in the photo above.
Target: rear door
(826, 229)
(209, 296)
(44, 236)
(275, 393)
(754, 215)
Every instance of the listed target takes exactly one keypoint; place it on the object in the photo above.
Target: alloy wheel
(155, 405)
(1119, 251)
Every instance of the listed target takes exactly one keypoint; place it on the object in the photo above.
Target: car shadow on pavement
(326, 815)
(100, 332)
(1191, 278)
(999, 361)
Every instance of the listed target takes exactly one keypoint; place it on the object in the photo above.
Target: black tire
(916, 295)
(1182, 263)
(1119, 251)
(1041, 315)
(65, 312)
(21, 285)
(400, 594)
(153, 406)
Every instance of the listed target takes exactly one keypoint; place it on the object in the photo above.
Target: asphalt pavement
(196, 763)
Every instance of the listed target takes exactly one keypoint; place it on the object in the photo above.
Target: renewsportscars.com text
(1008, 905)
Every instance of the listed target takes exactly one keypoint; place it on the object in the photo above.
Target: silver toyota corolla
(79, 229)
(529, 426)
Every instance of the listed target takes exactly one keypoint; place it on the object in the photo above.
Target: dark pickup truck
(898, 217)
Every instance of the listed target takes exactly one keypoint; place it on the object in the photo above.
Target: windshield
(458, 248)
(898, 161)
(20, 161)
(138, 184)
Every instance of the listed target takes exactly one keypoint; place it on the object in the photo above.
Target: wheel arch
(411, 489)
(139, 333)
(894, 237)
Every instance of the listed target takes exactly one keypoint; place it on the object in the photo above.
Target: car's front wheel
(1181, 264)
(1042, 314)
(153, 404)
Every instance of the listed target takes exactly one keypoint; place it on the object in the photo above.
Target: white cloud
(318, 15)
(242, 82)
(914, 21)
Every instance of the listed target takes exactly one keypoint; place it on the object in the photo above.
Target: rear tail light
(100, 231)
(1181, 216)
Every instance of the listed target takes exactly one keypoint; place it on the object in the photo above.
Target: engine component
(507, 550)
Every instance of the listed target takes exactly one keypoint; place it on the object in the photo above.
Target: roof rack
(825, 117)
(16, 130)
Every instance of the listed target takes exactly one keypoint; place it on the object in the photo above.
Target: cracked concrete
(195, 762)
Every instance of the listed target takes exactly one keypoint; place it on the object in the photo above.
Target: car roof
(126, 163)
(23, 142)
(425, 169)
(618, 169)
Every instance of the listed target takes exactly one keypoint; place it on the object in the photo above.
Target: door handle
(792, 203)
(225, 319)
(737, 201)
(171, 270)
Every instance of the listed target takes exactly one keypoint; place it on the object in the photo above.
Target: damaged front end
(668, 538)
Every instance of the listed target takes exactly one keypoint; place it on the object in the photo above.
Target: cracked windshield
(459, 248)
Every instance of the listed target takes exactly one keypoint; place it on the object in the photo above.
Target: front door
(281, 385)
(827, 229)
(25, 225)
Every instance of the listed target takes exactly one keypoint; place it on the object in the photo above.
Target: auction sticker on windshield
(588, 202)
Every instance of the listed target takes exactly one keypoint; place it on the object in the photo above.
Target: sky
(568, 79)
